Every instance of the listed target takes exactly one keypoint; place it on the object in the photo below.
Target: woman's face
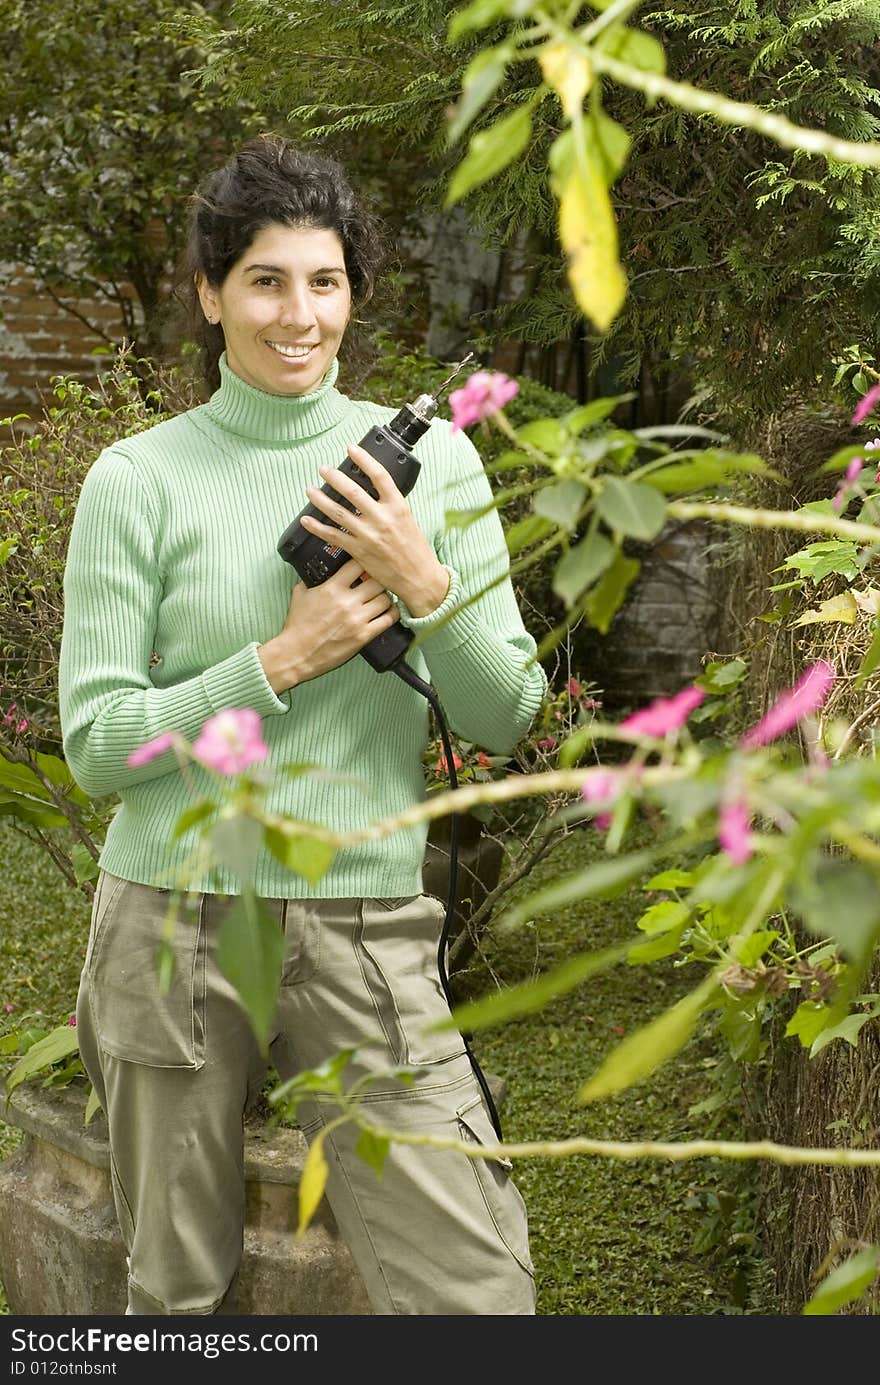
(284, 307)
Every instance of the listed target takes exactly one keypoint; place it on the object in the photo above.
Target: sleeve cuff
(444, 628)
(240, 681)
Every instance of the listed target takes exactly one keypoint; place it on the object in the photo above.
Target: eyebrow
(278, 269)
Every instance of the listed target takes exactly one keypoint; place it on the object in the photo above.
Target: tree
(102, 133)
(750, 267)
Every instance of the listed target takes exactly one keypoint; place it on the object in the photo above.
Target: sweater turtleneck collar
(240, 408)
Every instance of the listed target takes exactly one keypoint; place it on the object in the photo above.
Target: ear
(207, 297)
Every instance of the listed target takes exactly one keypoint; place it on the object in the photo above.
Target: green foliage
(748, 270)
(101, 132)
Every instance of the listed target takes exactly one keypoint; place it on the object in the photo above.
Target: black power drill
(315, 560)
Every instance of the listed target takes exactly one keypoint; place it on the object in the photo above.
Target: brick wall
(40, 338)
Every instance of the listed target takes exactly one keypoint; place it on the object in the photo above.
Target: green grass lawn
(607, 1237)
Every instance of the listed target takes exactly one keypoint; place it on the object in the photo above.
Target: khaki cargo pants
(438, 1233)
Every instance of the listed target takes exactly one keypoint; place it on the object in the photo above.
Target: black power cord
(404, 671)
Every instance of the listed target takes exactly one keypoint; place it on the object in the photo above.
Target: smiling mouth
(292, 353)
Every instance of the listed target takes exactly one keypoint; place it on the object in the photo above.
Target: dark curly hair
(271, 181)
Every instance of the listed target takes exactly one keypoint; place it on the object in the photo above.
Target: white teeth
(292, 352)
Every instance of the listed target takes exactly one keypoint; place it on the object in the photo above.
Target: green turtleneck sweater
(173, 581)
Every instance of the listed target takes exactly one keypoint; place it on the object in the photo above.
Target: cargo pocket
(502, 1197)
(134, 1018)
(396, 944)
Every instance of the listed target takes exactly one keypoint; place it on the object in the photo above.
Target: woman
(177, 605)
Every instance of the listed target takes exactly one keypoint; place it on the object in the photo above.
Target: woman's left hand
(383, 535)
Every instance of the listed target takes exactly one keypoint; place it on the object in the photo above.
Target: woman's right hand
(326, 625)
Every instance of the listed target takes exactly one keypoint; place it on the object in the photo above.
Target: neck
(240, 408)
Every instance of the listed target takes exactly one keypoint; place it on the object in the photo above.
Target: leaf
(605, 600)
(742, 1030)
(848, 1029)
(588, 233)
(189, 818)
(482, 77)
(841, 900)
(810, 1018)
(610, 143)
(481, 13)
(670, 880)
(840, 609)
(819, 560)
(236, 842)
(871, 659)
(602, 880)
(751, 949)
(250, 951)
(841, 459)
(529, 996)
(634, 47)
(709, 470)
(85, 867)
(526, 532)
(93, 1106)
(373, 1149)
(312, 1182)
(845, 1283)
(567, 70)
(580, 566)
(490, 151)
(305, 856)
(594, 412)
(662, 944)
(719, 677)
(59, 1043)
(640, 1054)
(631, 508)
(561, 502)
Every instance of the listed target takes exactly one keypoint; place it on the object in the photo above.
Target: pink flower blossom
(9, 1009)
(483, 759)
(665, 714)
(865, 405)
(10, 714)
(547, 743)
(442, 764)
(72, 1021)
(573, 687)
(151, 750)
(22, 725)
(231, 740)
(853, 472)
(601, 786)
(807, 695)
(484, 394)
(589, 703)
(733, 831)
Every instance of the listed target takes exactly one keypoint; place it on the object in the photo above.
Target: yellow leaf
(588, 233)
(867, 599)
(840, 608)
(312, 1183)
(568, 73)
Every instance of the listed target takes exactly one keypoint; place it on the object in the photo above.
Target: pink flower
(865, 406)
(547, 743)
(72, 1021)
(10, 714)
(9, 1009)
(151, 750)
(573, 687)
(484, 394)
(22, 725)
(853, 472)
(589, 703)
(807, 695)
(665, 714)
(601, 786)
(231, 740)
(483, 759)
(733, 831)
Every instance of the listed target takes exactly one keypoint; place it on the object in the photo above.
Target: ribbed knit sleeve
(112, 591)
(479, 654)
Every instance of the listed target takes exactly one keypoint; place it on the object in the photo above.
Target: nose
(297, 309)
